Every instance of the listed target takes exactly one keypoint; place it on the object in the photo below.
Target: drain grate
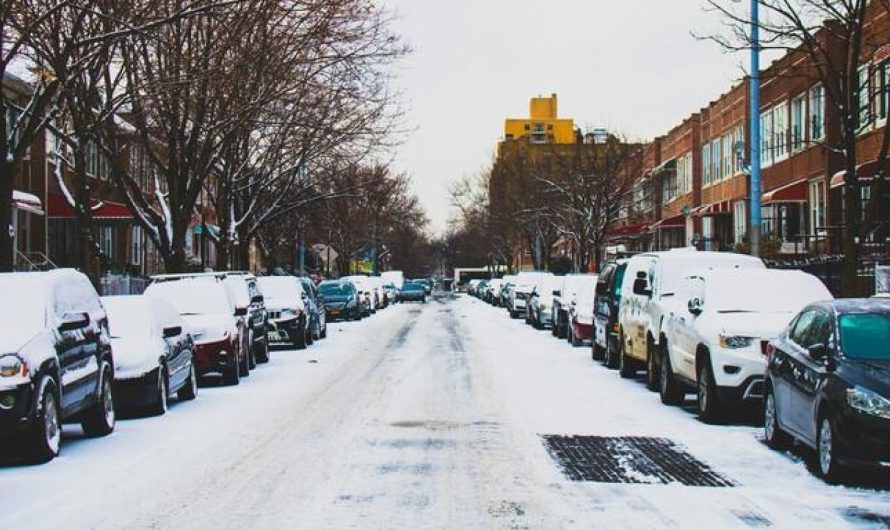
(631, 460)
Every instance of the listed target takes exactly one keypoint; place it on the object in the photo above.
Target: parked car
(318, 322)
(214, 320)
(471, 286)
(365, 293)
(341, 300)
(828, 385)
(493, 292)
(56, 364)
(650, 283)
(286, 311)
(392, 293)
(606, 303)
(396, 278)
(244, 290)
(153, 353)
(427, 284)
(522, 292)
(581, 311)
(413, 292)
(716, 334)
(542, 299)
(562, 303)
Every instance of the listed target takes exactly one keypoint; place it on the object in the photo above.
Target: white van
(650, 282)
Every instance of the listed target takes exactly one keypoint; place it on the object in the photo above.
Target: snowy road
(424, 416)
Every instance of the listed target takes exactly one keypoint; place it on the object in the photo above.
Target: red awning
(794, 192)
(715, 208)
(59, 207)
(27, 202)
(628, 229)
(864, 171)
(671, 222)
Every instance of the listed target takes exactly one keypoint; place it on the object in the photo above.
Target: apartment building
(678, 183)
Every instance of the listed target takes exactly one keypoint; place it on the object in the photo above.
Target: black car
(56, 363)
(412, 291)
(242, 286)
(318, 322)
(605, 313)
(828, 384)
(341, 300)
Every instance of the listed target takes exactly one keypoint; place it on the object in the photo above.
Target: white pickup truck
(715, 336)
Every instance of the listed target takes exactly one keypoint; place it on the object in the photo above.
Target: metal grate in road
(629, 459)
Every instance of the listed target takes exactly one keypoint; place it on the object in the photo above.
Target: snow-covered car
(562, 303)
(606, 304)
(392, 293)
(318, 322)
(717, 342)
(242, 287)
(522, 291)
(214, 321)
(340, 300)
(650, 283)
(56, 363)
(472, 285)
(540, 312)
(493, 291)
(152, 353)
(580, 328)
(365, 292)
(286, 311)
(828, 385)
(396, 278)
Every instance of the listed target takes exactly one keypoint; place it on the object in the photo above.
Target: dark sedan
(341, 300)
(412, 292)
(828, 385)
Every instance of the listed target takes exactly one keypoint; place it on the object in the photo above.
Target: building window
(684, 174)
(707, 233)
(738, 149)
(727, 155)
(740, 220)
(817, 113)
(668, 187)
(817, 207)
(106, 241)
(797, 123)
(882, 81)
(766, 138)
(780, 131)
(716, 173)
(136, 245)
(706, 165)
(863, 97)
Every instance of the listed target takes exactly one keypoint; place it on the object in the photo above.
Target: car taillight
(767, 349)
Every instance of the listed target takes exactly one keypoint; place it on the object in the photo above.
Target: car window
(820, 330)
(802, 327)
(617, 279)
(865, 336)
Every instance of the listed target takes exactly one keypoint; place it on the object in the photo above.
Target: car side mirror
(240, 311)
(172, 331)
(257, 299)
(695, 306)
(72, 321)
(818, 352)
(641, 287)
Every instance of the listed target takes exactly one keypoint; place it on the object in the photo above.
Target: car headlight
(734, 343)
(868, 402)
(13, 366)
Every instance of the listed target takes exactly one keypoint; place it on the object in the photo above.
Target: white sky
(629, 65)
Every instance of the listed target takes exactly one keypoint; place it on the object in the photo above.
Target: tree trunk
(852, 209)
(7, 242)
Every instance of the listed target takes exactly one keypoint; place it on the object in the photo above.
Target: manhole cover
(629, 459)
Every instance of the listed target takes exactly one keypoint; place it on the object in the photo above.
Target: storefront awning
(669, 165)
(794, 192)
(865, 173)
(27, 202)
(676, 221)
(715, 208)
(627, 230)
(59, 208)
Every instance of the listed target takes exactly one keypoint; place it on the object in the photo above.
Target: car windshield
(192, 296)
(866, 336)
(128, 317)
(412, 287)
(285, 288)
(335, 289)
(24, 306)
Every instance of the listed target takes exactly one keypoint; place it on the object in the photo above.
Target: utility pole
(755, 185)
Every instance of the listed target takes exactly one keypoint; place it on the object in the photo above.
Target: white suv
(716, 344)
(648, 291)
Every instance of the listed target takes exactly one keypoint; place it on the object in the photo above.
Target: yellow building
(542, 125)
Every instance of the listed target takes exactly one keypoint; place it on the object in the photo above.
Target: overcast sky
(629, 65)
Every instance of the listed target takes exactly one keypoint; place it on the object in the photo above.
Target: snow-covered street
(424, 416)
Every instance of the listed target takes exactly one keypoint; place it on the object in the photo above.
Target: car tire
(709, 407)
(611, 356)
(232, 376)
(99, 419)
(574, 339)
(243, 362)
(555, 329)
(189, 390)
(251, 351)
(626, 367)
(300, 340)
(774, 436)
(652, 371)
(262, 356)
(159, 406)
(310, 336)
(827, 464)
(669, 389)
(598, 353)
(45, 437)
(324, 330)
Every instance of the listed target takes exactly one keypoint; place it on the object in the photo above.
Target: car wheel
(232, 376)
(159, 407)
(670, 391)
(251, 351)
(263, 350)
(243, 362)
(708, 404)
(189, 391)
(324, 330)
(46, 436)
(310, 336)
(574, 339)
(652, 372)
(300, 340)
(598, 353)
(555, 329)
(99, 419)
(611, 356)
(826, 454)
(626, 367)
(775, 437)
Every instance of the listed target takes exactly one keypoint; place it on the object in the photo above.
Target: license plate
(275, 336)
(335, 312)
